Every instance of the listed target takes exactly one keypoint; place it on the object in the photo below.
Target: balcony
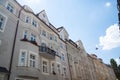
(47, 52)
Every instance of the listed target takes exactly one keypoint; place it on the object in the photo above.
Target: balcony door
(43, 48)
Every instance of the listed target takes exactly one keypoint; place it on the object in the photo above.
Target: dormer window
(10, 8)
(34, 23)
(44, 15)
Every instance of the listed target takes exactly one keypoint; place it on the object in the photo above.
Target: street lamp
(118, 6)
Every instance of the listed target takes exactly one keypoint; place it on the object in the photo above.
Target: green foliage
(116, 68)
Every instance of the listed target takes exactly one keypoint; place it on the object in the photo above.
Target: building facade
(31, 48)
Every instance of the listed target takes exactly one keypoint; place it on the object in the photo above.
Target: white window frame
(34, 23)
(53, 68)
(59, 68)
(63, 72)
(55, 38)
(62, 56)
(14, 10)
(36, 59)
(33, 36)
(25, 33)
(44, 33)
(4, 23)
(20, 64)
(51, 36)
(27, 18)
(57, 51)
(46, 73)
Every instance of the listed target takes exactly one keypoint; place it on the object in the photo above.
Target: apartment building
(31, 48)
(103, 71)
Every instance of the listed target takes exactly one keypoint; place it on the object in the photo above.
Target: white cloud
(118, 61)
(107, 4)
(111, 39)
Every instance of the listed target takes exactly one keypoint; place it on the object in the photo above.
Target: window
(10, 8)
(34, 23)
(55, 38)
(33, 37)
(64, 72)
(22, 61)
(44, 15)
(32, 60)
(43, 49)
(57, 52)
(45, 66)
(53, 68)
(58, 68)
(27, 19)
(43, 33)
(25, 34)
(2, 22)
(51, 37)
(63, 57)
(61, 45)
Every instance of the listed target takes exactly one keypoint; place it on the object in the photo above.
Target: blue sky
(92, 21)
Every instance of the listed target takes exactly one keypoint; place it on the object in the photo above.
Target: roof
(59, 29)
(4, 70)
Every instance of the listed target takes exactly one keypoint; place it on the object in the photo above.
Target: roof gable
(43, 16)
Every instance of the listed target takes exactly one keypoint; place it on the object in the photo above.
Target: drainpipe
(13, 48)
(68, 62)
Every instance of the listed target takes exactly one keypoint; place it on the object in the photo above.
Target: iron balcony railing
(47, 50)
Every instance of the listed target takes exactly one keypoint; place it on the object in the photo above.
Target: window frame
(47, 66)
(44, 33)
(11, 5)
(27, 19)
(25, 63)
(62, 56)
(34, 23)
(4, 23)
(59, 70)
(36, 59)
(33, 36)
(52, 68)
(25, 34)
(64, 72)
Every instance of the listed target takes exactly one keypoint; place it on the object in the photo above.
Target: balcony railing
(47, 52)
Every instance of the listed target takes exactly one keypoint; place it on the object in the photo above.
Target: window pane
(22, 58)
(32, 60)
(1, 22)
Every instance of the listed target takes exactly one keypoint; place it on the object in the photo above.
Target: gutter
(13, 48)
(68, 62)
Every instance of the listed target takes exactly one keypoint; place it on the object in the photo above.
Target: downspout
(68, 62)
(13, 48)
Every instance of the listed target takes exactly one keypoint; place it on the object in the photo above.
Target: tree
(116, 68)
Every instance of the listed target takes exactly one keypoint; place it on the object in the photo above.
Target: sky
(94, 22)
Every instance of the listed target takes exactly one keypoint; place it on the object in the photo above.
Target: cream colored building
(31, 48)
